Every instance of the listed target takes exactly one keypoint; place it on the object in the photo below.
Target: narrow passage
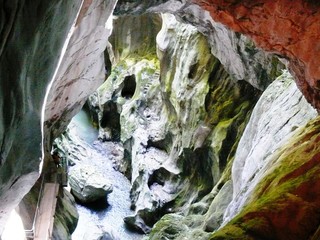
(107, 214)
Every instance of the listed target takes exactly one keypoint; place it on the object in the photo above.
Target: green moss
(230, 233)
(170, 226)
(286, 190)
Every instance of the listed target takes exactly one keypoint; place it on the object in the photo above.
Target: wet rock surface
(103, 218)
(178, 126)
(278, 114)
(87, 184)
(28, 49)
(66, 217)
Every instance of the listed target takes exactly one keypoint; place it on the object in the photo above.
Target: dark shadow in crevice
(129, 86)
(111, 119)
(108, 64)
(95, 206)
(163, 144)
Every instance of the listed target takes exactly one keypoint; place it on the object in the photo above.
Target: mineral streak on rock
(288, 28)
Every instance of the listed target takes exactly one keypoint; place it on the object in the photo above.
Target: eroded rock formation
(257, 147)
(280, 111)
(283, 27)
(180, 123)
(181, 116)
(288, 188)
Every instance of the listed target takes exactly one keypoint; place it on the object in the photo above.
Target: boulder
(99, 233)
(137, 222)
(87, 184)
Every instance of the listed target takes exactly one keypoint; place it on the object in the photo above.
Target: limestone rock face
(184, 114)
(32, 36)
(70, 146)
(174, 226)
(87, 184)
(281, 27)
(38, 43)
(278, 114)
(82, 68)
(287, 189)
(237, 53)
(177, 119)
(30, 48)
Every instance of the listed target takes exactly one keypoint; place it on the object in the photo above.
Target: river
(108, 214)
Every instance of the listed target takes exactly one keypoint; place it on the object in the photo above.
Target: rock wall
(36, 33)
(32, 36)
(287, 28)
(287, 188)
(283, 27)
(179, 124)
(66, 216)
(277, 116)
(280, 111)
(82, 69)
(237, 53)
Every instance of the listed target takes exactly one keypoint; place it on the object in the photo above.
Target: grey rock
(29, 51)
(276, 117)
(66, 215)
(137, 223)
(239, 55)
(173, 138)
(87, 184)
(99, 233)
(81, 70)
(214, 216)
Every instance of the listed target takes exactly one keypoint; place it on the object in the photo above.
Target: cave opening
(110, 122)
(129, 86)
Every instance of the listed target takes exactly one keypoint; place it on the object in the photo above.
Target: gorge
(209, 109)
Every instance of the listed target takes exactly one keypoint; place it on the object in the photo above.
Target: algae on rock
(204, 150)
(277, 115)
(286, 189)
(66, 216)
(180, 124)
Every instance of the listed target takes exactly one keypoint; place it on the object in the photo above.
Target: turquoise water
(108, 214)
(85, 130)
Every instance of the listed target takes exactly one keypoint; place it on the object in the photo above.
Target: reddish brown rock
(285, 27)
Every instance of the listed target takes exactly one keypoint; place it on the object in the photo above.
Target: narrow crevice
(129, 86)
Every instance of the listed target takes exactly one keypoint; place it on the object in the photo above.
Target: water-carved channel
(108, 214)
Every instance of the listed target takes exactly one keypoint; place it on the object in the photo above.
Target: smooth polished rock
(32, 36)
(87, 184)
(279, 113)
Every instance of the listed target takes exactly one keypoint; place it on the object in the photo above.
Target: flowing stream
(109, 214)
